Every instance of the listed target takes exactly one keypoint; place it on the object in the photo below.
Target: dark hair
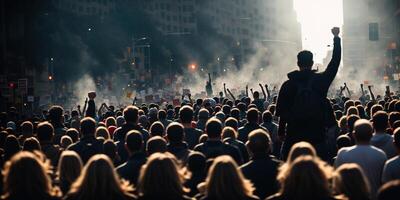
(186, 114)
(396, 137)
(156, 144)
(305, 59)
(31, 144)
(259, 142)
(175, 132)
(226, 109)
(393, 117)
(343, 141)
(235, 113)
(134, 140)
(55, 114)
(351, 119)
(267, 116)
(27, 128)
(11, 147)
(380, 121)
(232, 122)
(196, 162)
(256, 94)
(157, 128)
(363, 130)
(73, 134)
(252, 115)
(162, 114)
(45, 131)
(389, 190)
(88, 126)
(131, 114)
(214, 128)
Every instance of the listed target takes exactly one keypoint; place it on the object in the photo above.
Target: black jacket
(87, 147)
(262, 170)
(120, 134)
(311, 131)
(213, 149)
(130, 170)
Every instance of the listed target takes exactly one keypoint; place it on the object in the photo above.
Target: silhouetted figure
(209, 89)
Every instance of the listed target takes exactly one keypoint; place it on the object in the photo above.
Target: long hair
(301, 149)
(306, 178)
(161, 177)
(349, 179)
(99, 180)
(68, 169)
(226, 181)
(25, 177)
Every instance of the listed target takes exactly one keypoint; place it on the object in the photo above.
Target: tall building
(86, 7)
(361, 51)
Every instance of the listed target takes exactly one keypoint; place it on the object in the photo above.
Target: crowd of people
(296, 145)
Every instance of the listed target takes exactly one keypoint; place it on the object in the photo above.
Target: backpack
(307, 103)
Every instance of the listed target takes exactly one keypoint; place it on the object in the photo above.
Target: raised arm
(263, 91)
(225, 90)
(252, 93)
(371, 93)
(247, 90)
(84, 107)
(209, 77)
(362, 89)
(347, 90)
(268, 93)
(230, 93)
(333, 65)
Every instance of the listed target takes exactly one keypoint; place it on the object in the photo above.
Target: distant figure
(209, 89)
(302, 104)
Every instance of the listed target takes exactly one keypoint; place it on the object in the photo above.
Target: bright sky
(317, 17)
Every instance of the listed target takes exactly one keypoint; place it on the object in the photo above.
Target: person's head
(73, 134)
(305, 60)
(88, 126)
(110, 121)
(380, 121)
(196, 162)
(186, 114)
(102, 132)
(11, 146)
(306, 178)
(161, 177)
(259, 142)
(56, 114)
(214, 128)
(396, 139)
(156, 144)
(157, 128)
(31, 144)
(226, 181)
(45, 132)
(27, 128)
(229, 132)
(301, 149)
(343, 141)
(131, 114)
(26, 177)
(89, 185)
(65, 141)
(256, 95)
(232, 122)
(162, 115)
(349, 179)
(389, 190)
(204, 114)
(175, 133)
(362, 132)
(351, 119)
(267, 116)
(110, 149)
(375, 108)
(252, 115)
(69, 168)
(393, 117)
(120, 121)
(352, 110)
(133, 141)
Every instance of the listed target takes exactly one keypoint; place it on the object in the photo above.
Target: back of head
(162, 115)
(229, 132)
(131, 114)
(305, 60)
(196, 162)
(259, 142)
(203, 114)
(225, 181)
(73, 134)
(31, 144)
(69, 167)
(375, 108)
(160, 177)
(45, 132)
(351, 119)
(55, 114)
(175, 133)
(380, 121)
(393, 117)
(267, 116)
(27, 128)
(343, 141)
(186, 114)
(389, 190)
(301, 149)
(102, 132)
(65, 141)
(305, 178)
(157, 128)
(396, 138)
(88, 126)
(134, 140)
(252, 115)
(256, 95)
(214, 128)
(350, 180)
(362, 131)
(156, 144)
(232, 122)
(25, 177)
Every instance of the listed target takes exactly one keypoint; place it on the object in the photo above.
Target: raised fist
(92, 94)
(335, 31)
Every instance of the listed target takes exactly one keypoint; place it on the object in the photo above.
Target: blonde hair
(301, 149)
(306, 178)
(68, 169)
(229, 132)
(226, 181)
(102, 131)
(161, 177)
(99, 180)
(343, 123)
(349, 179)
(25, 177)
